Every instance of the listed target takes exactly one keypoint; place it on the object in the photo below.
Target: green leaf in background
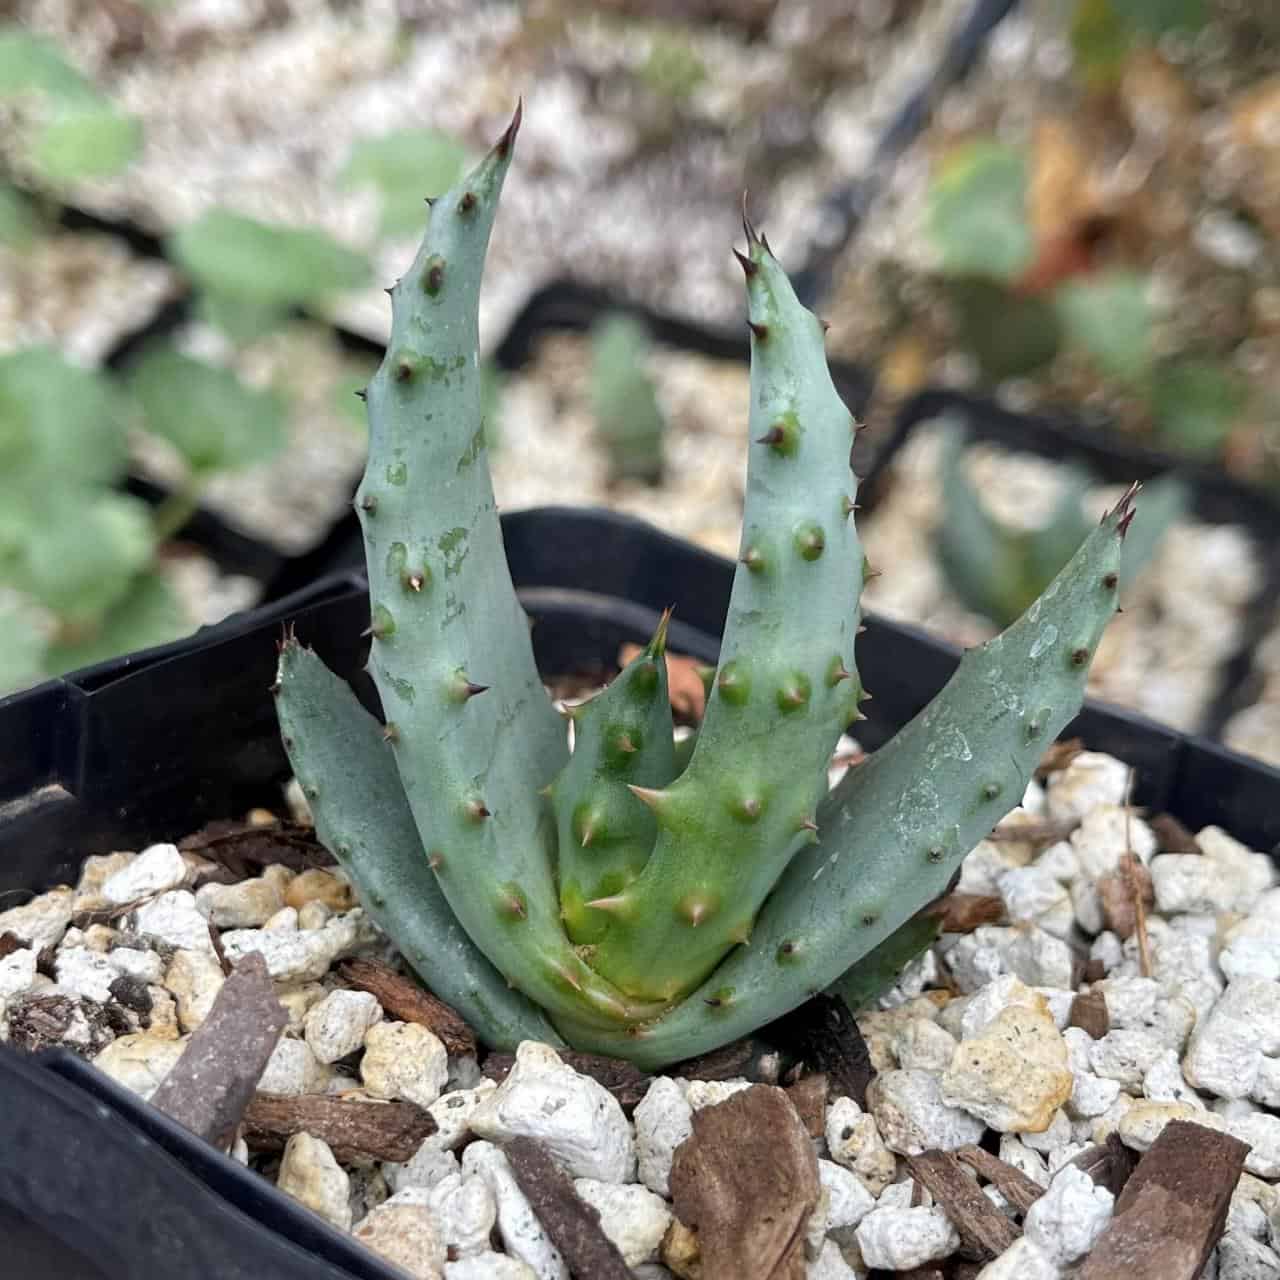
(976, 212)
(61, 426)
(86, 144)
(673, 69)
(22, 655)
(242, 320)
(1109, 316)
(1100, 42)
(258, 262)
(1008, 334)
(1195, 404)
(33, 64)
(82, 551)
(405, 166)
(148, 614)
(213, 419)
(1155, 17)
(19, 220)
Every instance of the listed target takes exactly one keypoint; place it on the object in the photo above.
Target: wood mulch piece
(1116, 895)
(965, 912)
(824, 1034)
(243, 847)
(1019, 1190)
(1172, 836)
(746, 1181)
(406, 1001)
(626, 1082)
(981, 1225)
(1110, 1164)
(211, 1084)
(1089, 1013)
(384, 1130)
(809, 1097)
(10, 942)
(39, 1022)
(1039, 833)
(1058, 756)
(1173, 1208)
(571, 1223)
(747, 1059)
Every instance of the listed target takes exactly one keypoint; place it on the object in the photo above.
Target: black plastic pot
(96, 1184)
(1216, 498)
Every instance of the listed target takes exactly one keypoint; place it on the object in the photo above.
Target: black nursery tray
(1216, 498)
(154, 745)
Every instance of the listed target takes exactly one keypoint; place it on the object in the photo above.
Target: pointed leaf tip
(749, 268)
(508, 138)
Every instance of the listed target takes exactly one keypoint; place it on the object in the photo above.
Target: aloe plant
(997, 570)
(617, 899)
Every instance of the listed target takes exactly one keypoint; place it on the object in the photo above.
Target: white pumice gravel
(973, 1044)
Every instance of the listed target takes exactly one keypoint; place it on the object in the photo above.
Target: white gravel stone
(1164, 1082)
(293, 1069)
(406, 1233)
(922, 1045)
(663, 1120)
(1070, 1216)
(283, 921)
(1125, 1055)
(632, 1217)
(848, 1201)
(522, 1234)
(194, 978)
(1187, 882)
(912, 1116)
(244, 905)
(1091, 1095)
(82, 972)
(853, 1141)
(1144, 1122)
(710, 1093)
(1040, 959)
(576, 1118)
(133, 962)
(312, 1176)
(313, 915)
(1034, 895)
(1087, 905)
(41, 922)
(983, 866)
(404, 1060)
(1051, 1139)
(1023, 1260)
(1107, 950)
(452, 1113)
(140, 1062)
(899, 1239)
(172, 918)
(1242, 1258)
(17, 972)
(983, 1007)
(1014, 1074)
(489, 1266)
(465, 1212)
(294, 956)
(426, 1167)
(1090, 780)
(1262, 1132)
(337, 1025)
(1016, 1152)
(830, 1265)
(1251, 873)
(155, 870)
(1105, 835)
(1061, 861)
(1227, 1047)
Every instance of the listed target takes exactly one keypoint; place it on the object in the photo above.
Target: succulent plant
(629, 420)
(998, 570)
(599, 898)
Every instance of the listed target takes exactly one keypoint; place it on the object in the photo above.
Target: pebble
(406, 1234)
(848, 1200)
(82, 972)
(293, 1069)
(337, 1025)
(318, 885)
(173, 919)
(427, 1166)
(579, 1121)
(663, 1120)
(913, 1117)
(1023, 1260)
(1015, 1074)
(1226, 1049)
(899, 1239)
(632, 1216)
(1069, 1217)
(294, 956)
(133, 962)
(140, 1061)
(1242, 1258)
(156, 869)
(522, 1234)
(312, 1176)
(489, 1266)
(404, 1060)
(452, 1113)
(830, 1264)
(247, 904)
(194, 978)
(41, 922)
(854, 1142)
(464, 1209)
(1090, 780)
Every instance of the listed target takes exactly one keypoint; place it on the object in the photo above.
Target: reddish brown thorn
(390, 733)
(826, 325)
(1125, 521)
(274, 689)
(471, 689)
(748, 230)
(362, 394)
(415, 582)
(569, 976)
(749, 268)
(467, 203)
(775, 435)
(435, 860)
(504, 142)
(476, 810)
(760, 331)
(840, 674)
(514, 907)
(624, 744)
(808, 824)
